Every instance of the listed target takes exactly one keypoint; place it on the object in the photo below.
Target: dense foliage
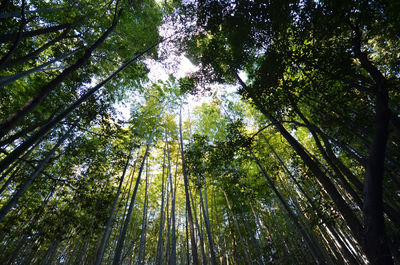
(101, 165)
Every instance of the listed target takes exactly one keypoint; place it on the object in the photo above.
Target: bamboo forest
(205, 132)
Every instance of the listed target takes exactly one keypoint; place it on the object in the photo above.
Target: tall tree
(188, 208)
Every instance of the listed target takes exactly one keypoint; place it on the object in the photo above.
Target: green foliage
(300, 66)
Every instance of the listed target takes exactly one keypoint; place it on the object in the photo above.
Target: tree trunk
(31, 140)
(39, 11)
(166, 253)
(26, 130)
(199, 232)
(172, 259)
(12, 120)
(345, 250)
(100, 251)
(41, 68)
(188, 208)
(37, 51)
(318, 258)
(51, 252)
(10, 36)
(207, 221)
(15, 167)
(376, 241)
(161, 228)
(17, 39)
(347, 213)
(23, 187)
(121, 239)
(242, 241)
(327, 158)
(144, 223)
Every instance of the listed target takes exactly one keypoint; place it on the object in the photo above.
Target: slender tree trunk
(18, 37)
(144, 223)
(71, 257)
(12, 120)
(242, 241)
(15, 253)
(253, 240)
(40, 68)
(121, 239)
(130, 179)
(100, 250)
(36, 52)
(27, 231)
(32, 139)
(392, 213)
(15, 167)
(27, 34)
(345, 250)
(206, 202)
(313, 249)
(172, 259)
(186, 184)
(51, 252)
(165, 256)
(26, 130)
(161, 228)
(199, 232)
(327, 158)
(23, 187)
(347, 213)
(207, 221)
(82, 257)
(187, 237)
(27, 12)
(348, 149)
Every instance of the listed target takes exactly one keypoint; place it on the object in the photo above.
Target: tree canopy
(278, 143)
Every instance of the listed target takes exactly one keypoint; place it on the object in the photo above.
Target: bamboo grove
(280, 146)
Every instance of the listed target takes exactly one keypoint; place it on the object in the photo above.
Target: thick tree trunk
(377, 245)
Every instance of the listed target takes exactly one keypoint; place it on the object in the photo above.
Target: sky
(179, 68)
(175, 63)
